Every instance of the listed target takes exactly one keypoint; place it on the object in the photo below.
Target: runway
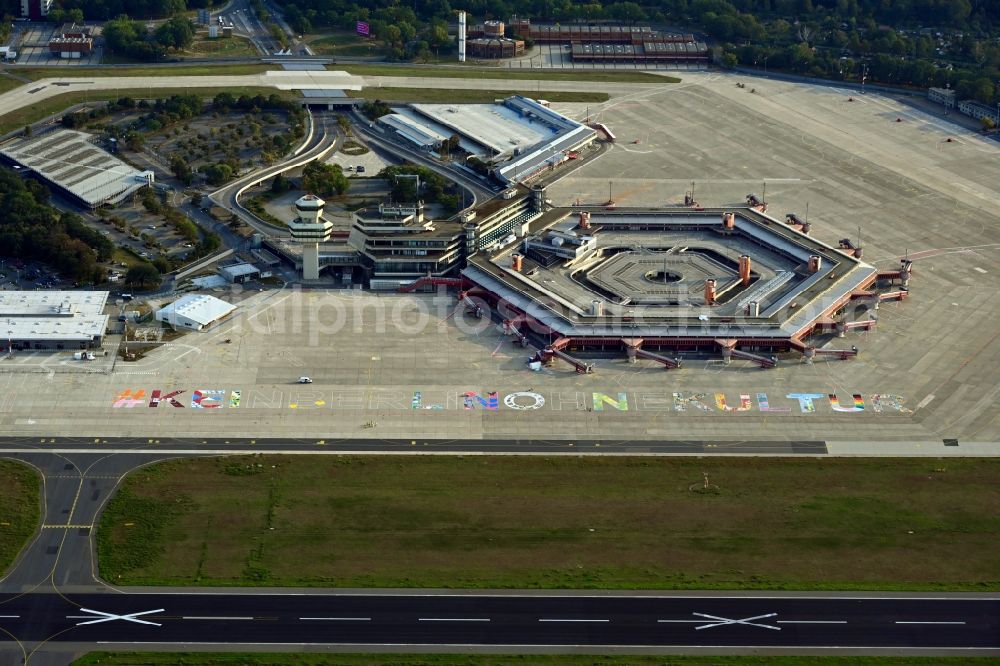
(125, 621)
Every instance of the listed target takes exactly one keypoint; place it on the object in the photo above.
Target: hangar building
(69, 162)
(195, 311)
(53, 319)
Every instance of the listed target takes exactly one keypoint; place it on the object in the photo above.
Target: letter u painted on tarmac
(859, 403)
(723, 406)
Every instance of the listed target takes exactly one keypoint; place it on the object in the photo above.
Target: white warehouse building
(195, 311)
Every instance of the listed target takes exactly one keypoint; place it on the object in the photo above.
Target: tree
(27, 130)
(144, 276)
(375, 110)
(182, 170)
(324, 179)
(217, 174)
(177, 33)
(224, 101)
(280, 184)
(162, 264)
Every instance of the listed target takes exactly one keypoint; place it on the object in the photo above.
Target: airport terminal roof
(53, 315)
(199, 308)
(418, 133)
(492, 125)
(68, 160)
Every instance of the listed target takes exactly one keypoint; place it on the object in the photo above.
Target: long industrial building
(52, 320)
(70, 163)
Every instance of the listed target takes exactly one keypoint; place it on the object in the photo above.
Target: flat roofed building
(35, 9)
(495, 47)
(416, 133)
(944, 96)
(68, 161)
(53, 319)
(979, 111)
(494, 126)
(523, 137)
(195, 311)
(239, 273)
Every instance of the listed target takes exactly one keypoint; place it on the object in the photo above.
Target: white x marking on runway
(108, 617)
(722, 621)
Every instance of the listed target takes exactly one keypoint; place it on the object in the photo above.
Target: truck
(83, 356)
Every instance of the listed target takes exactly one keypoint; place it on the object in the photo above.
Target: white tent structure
(195, 311)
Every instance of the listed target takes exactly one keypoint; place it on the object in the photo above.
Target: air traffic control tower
(310, 229)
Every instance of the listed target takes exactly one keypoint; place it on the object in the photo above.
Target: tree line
(32, 229)
(904, 42)
(895, 42)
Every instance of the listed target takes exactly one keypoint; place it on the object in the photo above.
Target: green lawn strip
(551, 523)
(227, 47)
(36, 73)
(57, 103)
(18, 509)
(344, 45)
(308, 659)
(470, 96)
(615, 76)
(9, 83)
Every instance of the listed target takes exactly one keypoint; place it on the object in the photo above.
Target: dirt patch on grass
(561, 523)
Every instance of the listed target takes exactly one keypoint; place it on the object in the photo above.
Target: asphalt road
(125, 620)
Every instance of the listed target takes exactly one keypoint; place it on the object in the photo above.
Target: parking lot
(31, 41)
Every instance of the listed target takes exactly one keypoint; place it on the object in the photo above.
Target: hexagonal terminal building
(310, 229)
(640, 282)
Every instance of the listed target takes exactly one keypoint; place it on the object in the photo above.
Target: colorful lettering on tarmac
(806, 403)
(600, 399)
(621, 401)
(128, 399)
(859, 404)
(157, 396)
(745, 404)
(207, 399)
(491, 402)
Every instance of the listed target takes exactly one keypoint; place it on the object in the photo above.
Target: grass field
(467, 96)
(345, 44)
(452, 72)
(59, 103)
(9, 83)
(18, 509)
(223, 47)
(258, 659)
(36, 73)
(528, 522)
